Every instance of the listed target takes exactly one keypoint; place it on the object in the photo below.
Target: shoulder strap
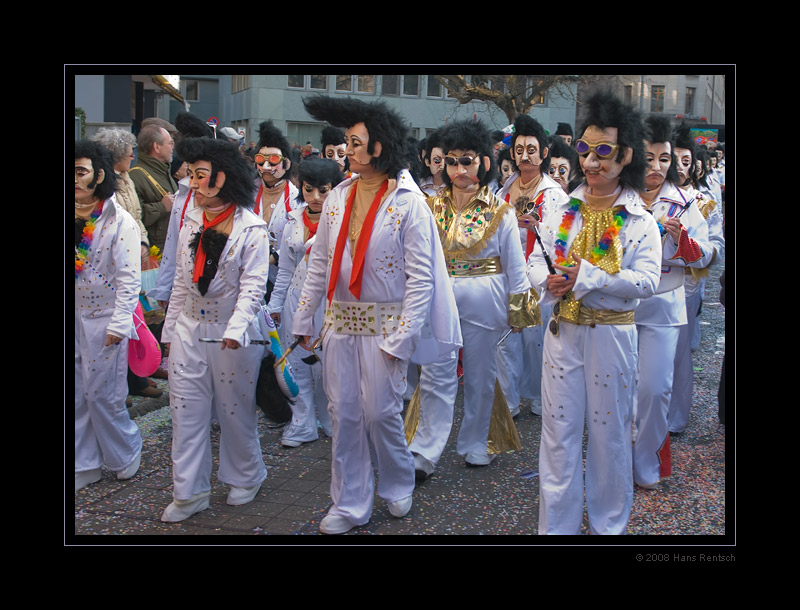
(146, 173)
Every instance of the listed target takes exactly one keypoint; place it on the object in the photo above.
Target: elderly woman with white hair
(121, 144)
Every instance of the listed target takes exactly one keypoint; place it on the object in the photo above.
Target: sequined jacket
(292, 269)
(641, 258)
(235, 295)
(484, 236)
(107, 288)
(403, 264)
(693, 251)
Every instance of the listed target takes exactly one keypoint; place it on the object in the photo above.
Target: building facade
(697, 99)
(244, 101)
(248, 100)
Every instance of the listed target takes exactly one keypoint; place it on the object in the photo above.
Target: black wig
(469, 135)
(564, 129)
(606, 110)
(525, 125)
(224, 157)
(414, 162)
(704, 156)
(192, 126)
(433, 140)
(683, 139)
(504, 155)
(317, 172)
(658, 130)
(331, 136)
(383, 124)
(270, 136)
(101, 159)
(560, 149)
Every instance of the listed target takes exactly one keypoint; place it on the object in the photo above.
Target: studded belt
(213, 311)
(359, 318)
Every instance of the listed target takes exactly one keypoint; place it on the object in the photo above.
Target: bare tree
(513, 94)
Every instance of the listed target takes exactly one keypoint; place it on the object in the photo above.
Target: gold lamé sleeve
(524, 310)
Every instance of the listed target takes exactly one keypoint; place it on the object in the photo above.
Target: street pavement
(497, 504)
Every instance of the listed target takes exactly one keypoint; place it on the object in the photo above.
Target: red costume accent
(361, 245)
(665, 459)
(688, 249)
(200, 257)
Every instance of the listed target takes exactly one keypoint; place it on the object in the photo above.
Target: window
(391, 84)
(306, 81)
(240, 82)
(191, 90)
(344, 83)
(434, 88)
(689, 109)
(361, 83)
(407, 85)
(657, 98)
(411, 85)
(628, 94)
(318, 81)
(366, 84)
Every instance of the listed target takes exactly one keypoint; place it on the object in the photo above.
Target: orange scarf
(200, 257)
(361, 246)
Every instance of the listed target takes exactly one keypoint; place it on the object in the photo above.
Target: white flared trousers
(104, 432)
(479, 363)
(310, 402)
(204, 379)
(683, 376)
(438, 386)
(365, 403)
(588, 380)
(519, 363)
(657, 345)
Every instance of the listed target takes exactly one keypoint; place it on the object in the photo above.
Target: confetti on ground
(497, 500)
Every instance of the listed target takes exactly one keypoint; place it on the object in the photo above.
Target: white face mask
(336, 153)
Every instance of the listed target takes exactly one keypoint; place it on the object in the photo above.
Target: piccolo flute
(252, 341)
(547, 260)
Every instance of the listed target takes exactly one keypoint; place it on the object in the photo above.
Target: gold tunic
(464, 233)
(595, 225)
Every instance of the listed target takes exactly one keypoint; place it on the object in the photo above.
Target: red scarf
(185, 205)
(311, 226)
(361, 245)
(200, 257)
(286, 205)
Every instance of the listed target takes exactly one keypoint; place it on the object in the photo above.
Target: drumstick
(280, 360)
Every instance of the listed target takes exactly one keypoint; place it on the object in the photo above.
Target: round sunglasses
(271, 159)
(603, 150)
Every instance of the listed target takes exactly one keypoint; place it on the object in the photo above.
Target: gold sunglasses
(603, 149)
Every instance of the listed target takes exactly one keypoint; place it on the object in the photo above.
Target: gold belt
(576, 313)
(473, 267)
